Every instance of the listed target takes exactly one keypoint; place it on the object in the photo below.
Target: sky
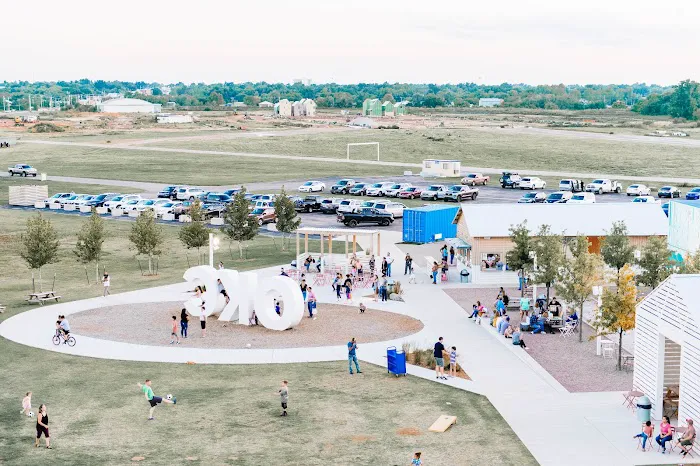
(446, 41)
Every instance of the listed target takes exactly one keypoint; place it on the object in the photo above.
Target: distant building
(171, 105)
(363, 122)
(128, 106)
(400, 108)
(283, 108)
(89, 99)
(302, 81)
(490, 102)
(388, 109)
(146, 91)
(170, 118)
(165, 90)
(266, 104)
(304, 107)
(441, 168)
(372, 107)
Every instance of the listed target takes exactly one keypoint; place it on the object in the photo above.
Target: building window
(491, 261)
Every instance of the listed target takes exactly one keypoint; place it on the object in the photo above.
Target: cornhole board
(443, 423)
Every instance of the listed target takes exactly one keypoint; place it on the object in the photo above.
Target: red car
(410, 193)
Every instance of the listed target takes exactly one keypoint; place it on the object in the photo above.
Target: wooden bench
(2, 308)
(42, 296)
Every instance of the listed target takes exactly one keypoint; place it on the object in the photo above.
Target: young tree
(147, 237)
(655, 262)
(91, 237)
(691, 264)
(550, 257)
(518, 258)
(580, 272)
(238, 226)
(287, 219)
(39, 244)
(616, 249)
(617, 314)
(195, 234)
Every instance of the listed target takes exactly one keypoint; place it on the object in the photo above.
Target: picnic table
(42, 296)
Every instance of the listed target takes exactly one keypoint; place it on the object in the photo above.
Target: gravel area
(150, 323)
(572, 363)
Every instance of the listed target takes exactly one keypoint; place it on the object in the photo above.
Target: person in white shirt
(389, 261)
(105, 284)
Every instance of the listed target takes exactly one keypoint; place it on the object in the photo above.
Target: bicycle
(70, 341)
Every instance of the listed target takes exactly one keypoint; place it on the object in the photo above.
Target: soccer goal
(363, 144)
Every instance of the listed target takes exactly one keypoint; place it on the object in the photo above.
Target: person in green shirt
(152, 399)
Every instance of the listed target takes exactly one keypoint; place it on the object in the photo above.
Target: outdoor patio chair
(608, 349)
(567, 330)
(669, 444)
(650, 440)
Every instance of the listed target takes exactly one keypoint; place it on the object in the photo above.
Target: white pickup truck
(604, 186)
(22, 169)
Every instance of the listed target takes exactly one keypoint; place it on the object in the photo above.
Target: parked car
(100, 199)
(459, 193)
(308, 204)
(559, 197)
(638, 190)
(395, 189)
(130, 205)
(509, 180)
(166, 208)
(343, 186)
(83, 200)
(360, 189)
(532, 182)
(264, 205)
(368, 204)
(601, 186)
(532, 198)
(22, 169)
(354, 218)
(232, 192)
(394, 208)
(570, 184)
(329, 206)
(118, 202)
(379, 189)
(472, 179)
(182, 208)
(188, 193)
(412, 192)
(693, 194)
(261, 197)
(312, 187)
(218, 198)
(264, 216)
(434, 192)
(76, 200)
(346, 205)
(168, 192)
(669, 191)
(210, 211)
(644, 199)
(582, 198)
(57, 198)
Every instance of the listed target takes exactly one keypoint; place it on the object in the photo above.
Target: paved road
(490, 170)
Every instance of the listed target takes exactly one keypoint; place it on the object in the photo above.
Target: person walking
(383, 289)
(42, 426)
(348, 287)
(152, 399)
(408, 268)
(453, 362)
(303, 287)
(203, 319)
(284, 397)
(221, 265)
(352, 356)
(375, 288)
(311, 301)
(184, 322)
(434, 272)
(27, 404)
(384, 267)
(105, 284)
(438, 353)
(173, 332)
(389, 261)
(452, 255)
(337, 286)
(372, 262)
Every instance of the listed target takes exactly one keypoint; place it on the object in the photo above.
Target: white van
(582, 198)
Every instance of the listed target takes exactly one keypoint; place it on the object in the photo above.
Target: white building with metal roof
(128, 106)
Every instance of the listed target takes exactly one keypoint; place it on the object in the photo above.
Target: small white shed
(667, 345)
(441, 168)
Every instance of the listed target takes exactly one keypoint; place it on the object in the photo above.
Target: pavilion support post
(321, 258)
(297, 256)
(379, 245)
(354, 244)
(346, 254)
(330, 248)
(306, 245)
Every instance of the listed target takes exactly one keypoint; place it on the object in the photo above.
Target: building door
(594, 244)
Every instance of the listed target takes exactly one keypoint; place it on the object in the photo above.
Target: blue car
(100, 199)
(693, 194)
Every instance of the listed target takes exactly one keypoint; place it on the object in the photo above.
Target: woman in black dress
(42, 426)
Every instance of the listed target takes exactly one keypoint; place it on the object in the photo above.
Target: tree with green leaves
(147, 237)
(580, 272)
(91, 237)
(518, 258)
(550, 257)
(286, 216)
(691, 264)
(238, 225)
(616, 249)
(684, 100)
(617, 313)
(39, 244)
(195, 234)
(655, 262)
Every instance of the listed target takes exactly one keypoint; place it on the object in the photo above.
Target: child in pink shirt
(647, 432)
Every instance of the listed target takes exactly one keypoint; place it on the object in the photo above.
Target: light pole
(213, 245)
(533, 256)
(598, 293)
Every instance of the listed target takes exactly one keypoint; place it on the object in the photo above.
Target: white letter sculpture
(245, 296)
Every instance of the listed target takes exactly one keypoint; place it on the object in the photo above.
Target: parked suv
(342, 186)
(188, 194)
(360, 189)
(510, 180)
(434, 192)
(379, 189)
(460, 193)
(264, 215)
(395, 189)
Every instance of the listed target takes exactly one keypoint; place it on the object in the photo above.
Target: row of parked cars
(457, 193)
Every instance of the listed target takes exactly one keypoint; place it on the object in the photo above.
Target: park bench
(42, 296)
(2, 308)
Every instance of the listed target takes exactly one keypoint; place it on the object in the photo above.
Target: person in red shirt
(173, 334)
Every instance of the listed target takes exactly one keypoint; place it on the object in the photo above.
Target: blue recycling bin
(396, 361)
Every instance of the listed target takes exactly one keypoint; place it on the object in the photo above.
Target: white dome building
(128, 106)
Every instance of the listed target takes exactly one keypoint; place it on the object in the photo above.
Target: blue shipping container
(421, 224)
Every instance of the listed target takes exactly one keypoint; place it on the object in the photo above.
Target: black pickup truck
(365, 215)
(308, 204)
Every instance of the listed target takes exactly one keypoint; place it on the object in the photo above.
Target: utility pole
(30, 102)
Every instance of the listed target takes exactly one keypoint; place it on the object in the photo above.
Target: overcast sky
(444, 41)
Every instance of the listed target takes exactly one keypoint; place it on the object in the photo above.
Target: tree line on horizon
(649, 99)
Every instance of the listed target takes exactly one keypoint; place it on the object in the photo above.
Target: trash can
(643, 409)
(464, 276)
